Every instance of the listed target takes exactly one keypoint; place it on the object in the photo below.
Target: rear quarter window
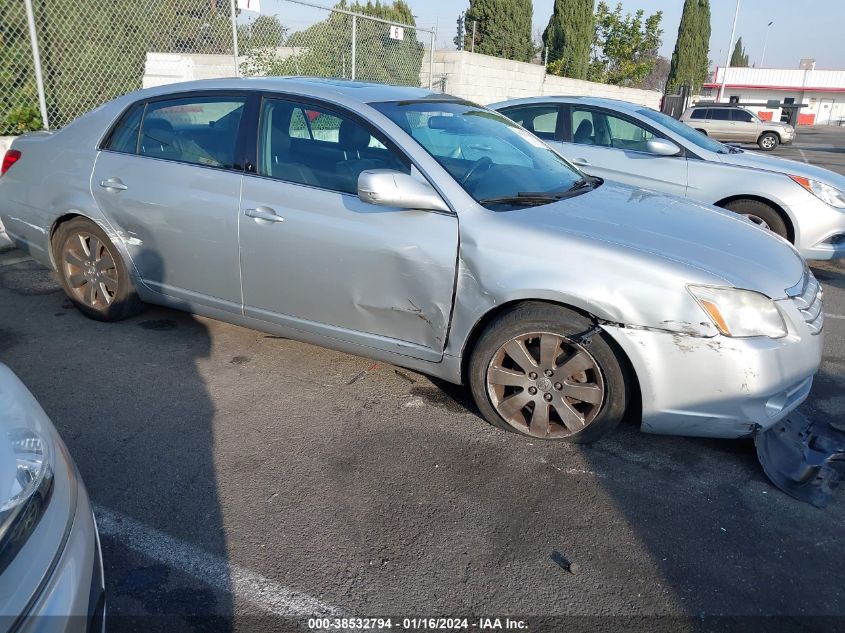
(699, 114)
(124, 136)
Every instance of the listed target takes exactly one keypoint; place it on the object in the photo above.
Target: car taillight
(12, 156)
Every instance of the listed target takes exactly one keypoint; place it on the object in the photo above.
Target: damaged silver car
(428, 232)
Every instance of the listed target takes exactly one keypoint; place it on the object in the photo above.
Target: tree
(689, 60)
(325, 48)
(568, 38)
(460, 38)
(739, 57)
(625, 47)
(657, 76)
(503, 28)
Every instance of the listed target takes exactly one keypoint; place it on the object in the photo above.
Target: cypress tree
(689, 61)
(739, 57)
(569, 38)
(503, 28)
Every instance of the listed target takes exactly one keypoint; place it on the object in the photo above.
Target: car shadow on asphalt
(831, 273)
(137, 417)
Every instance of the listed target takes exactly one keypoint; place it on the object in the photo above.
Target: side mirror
(389, 188)
(662, 147)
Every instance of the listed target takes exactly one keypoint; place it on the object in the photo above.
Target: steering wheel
(478, 167)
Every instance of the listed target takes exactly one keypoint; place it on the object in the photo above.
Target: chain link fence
(91, 52)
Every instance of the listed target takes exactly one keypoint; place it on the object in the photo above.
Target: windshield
(682, 129)
(494, 160)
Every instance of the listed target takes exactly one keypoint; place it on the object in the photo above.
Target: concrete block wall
(486, 80)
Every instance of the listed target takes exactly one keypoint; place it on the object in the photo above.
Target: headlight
(823, 191)
(740, 313)
(26, 481)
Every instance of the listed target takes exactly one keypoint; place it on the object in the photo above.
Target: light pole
(728, 58)
(765, 43)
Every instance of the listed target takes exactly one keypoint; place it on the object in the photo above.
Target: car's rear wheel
(768, 141)
(761, 214)
(532, 373)
(702, 131)
(93, 274)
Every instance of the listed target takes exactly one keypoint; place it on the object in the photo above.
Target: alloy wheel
(545, 385)
(758, 221)
(768, 142)
(90, 270)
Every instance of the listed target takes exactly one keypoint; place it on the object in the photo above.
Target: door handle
(580, 161)
(113, 184)
(263, 213)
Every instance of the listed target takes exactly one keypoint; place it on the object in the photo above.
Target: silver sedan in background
(633, 144)
(428, 232)
(51, 571)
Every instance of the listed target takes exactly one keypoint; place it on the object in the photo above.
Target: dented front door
(334, 265)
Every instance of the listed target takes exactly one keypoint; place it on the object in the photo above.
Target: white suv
(736, 124)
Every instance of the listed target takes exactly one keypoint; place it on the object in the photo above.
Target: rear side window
(197, 131)
(124, 137)
(698, 114)
(541, 120)
(720, 114)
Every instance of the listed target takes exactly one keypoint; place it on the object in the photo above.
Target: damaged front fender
(804, 458)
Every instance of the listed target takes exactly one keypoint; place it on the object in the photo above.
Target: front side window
(320, 148)
(742, 116)
(490, 156)
(537, 119)
(684, 131)
(594, 127)
(198, 130)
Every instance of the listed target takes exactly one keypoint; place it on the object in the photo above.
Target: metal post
(354, 44)
(235, 36)
(728, 59)
(472, 46)
(431, 63)
(36, 60)
(546, 57)
(765, 43)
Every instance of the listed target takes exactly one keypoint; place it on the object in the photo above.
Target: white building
(822, 90)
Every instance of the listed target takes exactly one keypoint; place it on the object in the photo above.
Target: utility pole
(235, 36)
(474, 24)
(765, 43)
(728, 58)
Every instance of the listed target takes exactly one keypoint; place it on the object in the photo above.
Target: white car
(639, 146)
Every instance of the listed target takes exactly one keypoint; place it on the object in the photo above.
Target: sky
(801, 28)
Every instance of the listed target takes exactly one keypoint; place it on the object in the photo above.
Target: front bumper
(720, 386)
(819, 228)
(73, 598)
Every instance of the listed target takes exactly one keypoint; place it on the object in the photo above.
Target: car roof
(616, 104)
(362, 91)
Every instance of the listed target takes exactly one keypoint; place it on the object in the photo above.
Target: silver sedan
(642, 147)
(429, 232)
(51, 570)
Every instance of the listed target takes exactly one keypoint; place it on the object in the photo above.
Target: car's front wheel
(768, 141)
(761, 214)
(92, 272)
(534, 372)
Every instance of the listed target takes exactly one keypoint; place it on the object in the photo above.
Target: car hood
(784, 166)
(722, 247)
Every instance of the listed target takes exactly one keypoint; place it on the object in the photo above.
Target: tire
(591, 369)
(92, 272)
(768, 141)
(761, 214)
(702, 131)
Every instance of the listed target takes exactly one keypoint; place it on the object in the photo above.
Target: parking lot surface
(249, 477)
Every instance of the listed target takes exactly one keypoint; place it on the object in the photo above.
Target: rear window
(720, 114)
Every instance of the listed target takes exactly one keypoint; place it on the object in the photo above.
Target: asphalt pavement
(240, 478)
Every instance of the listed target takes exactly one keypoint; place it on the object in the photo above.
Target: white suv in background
(738, 125)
